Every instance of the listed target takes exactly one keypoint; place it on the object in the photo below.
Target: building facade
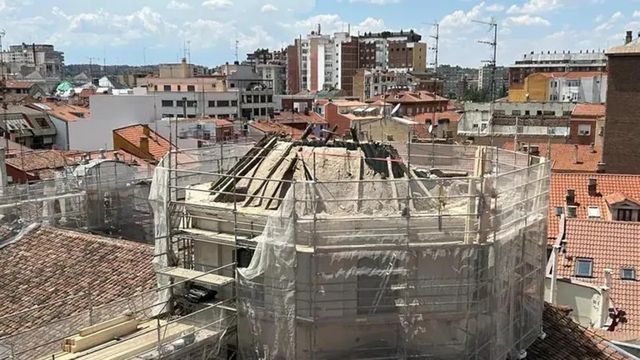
(622, 133)
(574, 86)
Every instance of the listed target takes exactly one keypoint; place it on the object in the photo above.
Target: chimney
(145, 130)
(575, 154)
(570, 197)
(628, 38)
(116, 155)
(593, 186)
(602, 167)
(144, 144)
(593, 148)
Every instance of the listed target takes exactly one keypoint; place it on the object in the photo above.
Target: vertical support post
(90, 300)
(554, 273)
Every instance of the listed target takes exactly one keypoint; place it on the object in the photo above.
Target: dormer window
(584, 267)
(628, 273)
(624, 214)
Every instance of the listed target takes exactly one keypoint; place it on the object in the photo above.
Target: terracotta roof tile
(563, 156)
(567, 340)
(42, 163)
(49, 264)
(589, 111)
(158, 145)
(606, 184)
(444, 115)
(19, 84)
(612, 245)
(618, 197)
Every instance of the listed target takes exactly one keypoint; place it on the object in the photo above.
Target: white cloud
(331, 23)
(268, 8)
(610, 23)
(178, 5)
(217, 4)
(527, 20)
(495, 7)
(536, 6)
(376, 2)
(205, 34)
(460, 19)
(636, 13)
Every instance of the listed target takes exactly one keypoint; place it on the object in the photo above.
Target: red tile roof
(49, 264)
(563, 156)
(567, 340)
(606, 184)
(19, 85)
(309, 118)
(40, 163)
(619, 197)
(158, 145)
(270, 127)
(411, 97)
(612, 245)
(589, 111)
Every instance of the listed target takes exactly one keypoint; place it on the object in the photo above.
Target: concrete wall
(108, 113)
(62, 133)
(584, 299)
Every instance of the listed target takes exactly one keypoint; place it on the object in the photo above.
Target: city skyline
(150, 32)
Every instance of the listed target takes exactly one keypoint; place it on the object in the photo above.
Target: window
(167, 103)
(559, 210)
(584, 267)
(166, 87)
(584, 129)
(235, 102)
(179, 103)
(572, 211)
(42, 122)
(179, 88)
(167, 116)
(263, 98)
(593, 212)
(628, 273)
(192, 103)
(223, 103)
(516, 112)
(624, 214)
(191, 88)
(211, 103)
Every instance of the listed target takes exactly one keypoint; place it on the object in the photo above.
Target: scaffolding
(354, 250)
(103, 196)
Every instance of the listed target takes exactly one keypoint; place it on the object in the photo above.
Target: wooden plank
(188, 274)
(81, 343)
(103, 325)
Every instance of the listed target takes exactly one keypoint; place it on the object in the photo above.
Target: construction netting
(363, 252)
(103, 196)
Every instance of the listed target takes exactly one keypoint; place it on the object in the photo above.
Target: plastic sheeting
(449, 269)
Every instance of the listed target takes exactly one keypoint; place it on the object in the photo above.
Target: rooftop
(567, 340)
(411, 97)
(444, 115)
(63, 111)
(40, 163)
(607, 184)
(49, 264)
(158, 145)
(563, 156)
(611, 245)
(590, 111)
(631, 48)
(276, 128)
(309, 117)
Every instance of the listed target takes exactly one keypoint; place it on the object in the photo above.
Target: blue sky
(135, 31)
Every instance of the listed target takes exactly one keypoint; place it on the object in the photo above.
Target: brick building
(622, 133)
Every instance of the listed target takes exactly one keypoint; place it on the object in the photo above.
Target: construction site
(331, 249)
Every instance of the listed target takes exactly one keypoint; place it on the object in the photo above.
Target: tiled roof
(158, 145)
(42, 163)
(612, 245)
(606, 184)
(444, 115)
(77, 157)
(631, 48)
(567, 340)
(270, 127)
(19, 84)
(589, 111)
(618, 197)
(47, 265)
(563, 156)
(412, 97)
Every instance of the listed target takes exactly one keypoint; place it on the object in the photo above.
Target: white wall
(107, 113)
(62, 135)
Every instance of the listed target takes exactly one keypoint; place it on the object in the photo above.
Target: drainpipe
(604, 298)
(554, 273)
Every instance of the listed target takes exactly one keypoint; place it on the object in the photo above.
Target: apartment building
(39, 63)
(555, 62)
(572, 86)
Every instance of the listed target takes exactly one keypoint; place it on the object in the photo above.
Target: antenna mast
(236, 50)
(435, 48)
(493, 26)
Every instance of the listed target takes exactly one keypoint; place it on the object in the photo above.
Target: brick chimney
(592, 186)
(144, 144)
(145, 130)
(628, 38)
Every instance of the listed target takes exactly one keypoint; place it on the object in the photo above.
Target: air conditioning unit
(583, 132)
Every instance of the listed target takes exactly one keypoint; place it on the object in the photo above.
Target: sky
(139, 32)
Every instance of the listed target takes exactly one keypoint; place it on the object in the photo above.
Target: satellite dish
(395, 109)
